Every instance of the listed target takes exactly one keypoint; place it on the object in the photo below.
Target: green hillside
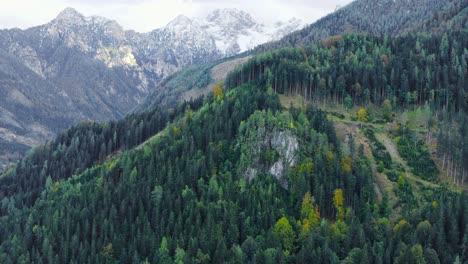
(304, 156)
(419, 78)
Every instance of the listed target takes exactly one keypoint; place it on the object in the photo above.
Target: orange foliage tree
(218, 91)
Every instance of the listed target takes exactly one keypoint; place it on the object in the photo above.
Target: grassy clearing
(288, 101)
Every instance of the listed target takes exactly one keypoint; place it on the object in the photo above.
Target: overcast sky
(145, 15)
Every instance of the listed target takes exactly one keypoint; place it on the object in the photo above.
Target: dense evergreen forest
(239, 177)
(409, 71)
(76, 149)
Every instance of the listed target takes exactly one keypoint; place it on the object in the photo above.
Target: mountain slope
(235, 31)
(29, 109)
(369, 69)
(254, 173)
(191, 83)
(90, 68)
(371, 73)
(240, 179)
(376, 17)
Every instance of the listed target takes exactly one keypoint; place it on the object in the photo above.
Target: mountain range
(284, 163)
(335, 147)
(382, 17)
(89, 68)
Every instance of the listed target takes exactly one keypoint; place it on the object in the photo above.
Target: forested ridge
(379, 18)
(76, 149)
(407, 72)
(240, 177)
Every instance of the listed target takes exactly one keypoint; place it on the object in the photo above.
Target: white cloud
(145, 15)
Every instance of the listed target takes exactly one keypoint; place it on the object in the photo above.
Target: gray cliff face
(286, 144)
(281, 142)
(78, 68)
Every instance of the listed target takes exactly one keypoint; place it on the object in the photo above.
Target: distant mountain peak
(229, 12)
(106, 70)
(229, 17)
(71, 16)
(180, 20)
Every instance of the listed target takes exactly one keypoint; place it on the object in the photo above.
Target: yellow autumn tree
(330, 156)
(108, 252)
(218, 90)
(338, 201)
(401, 228)
(283, 230)
(346, 164)
(307, 167)
(310, 216)
(362, 116)
(55, 187)
(339, 228)
(307, 206)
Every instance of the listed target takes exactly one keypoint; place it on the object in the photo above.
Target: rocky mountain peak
(231, 17)
(180, 22)
(108, 27)
(89, 67)
(70, 16)
(227, 13)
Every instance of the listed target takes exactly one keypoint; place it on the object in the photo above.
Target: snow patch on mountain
(235, 31)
